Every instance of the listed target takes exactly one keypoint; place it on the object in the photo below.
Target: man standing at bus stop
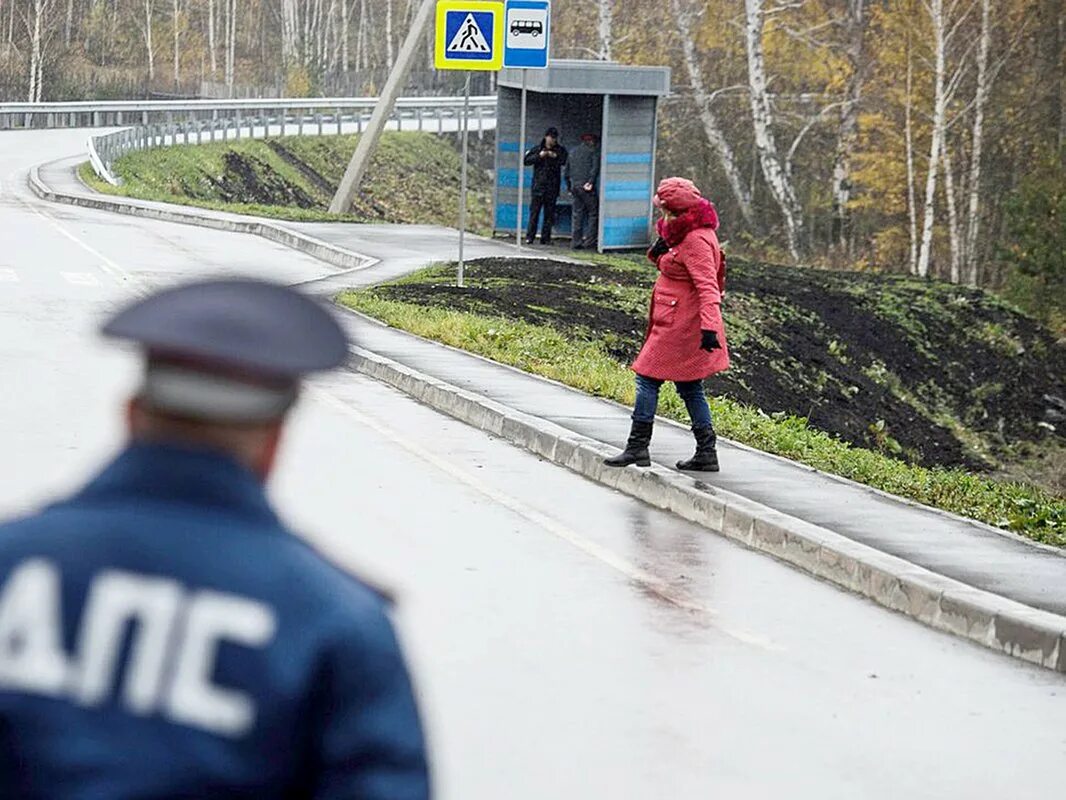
(547, 159)
(583, 180)
(162, 633)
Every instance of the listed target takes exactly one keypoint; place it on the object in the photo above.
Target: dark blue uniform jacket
(162, 635)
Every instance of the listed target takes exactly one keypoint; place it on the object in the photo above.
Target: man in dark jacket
(162, 633)
(547, 159)
(583, 180)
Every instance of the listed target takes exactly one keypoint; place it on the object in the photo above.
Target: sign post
(469, 36)
(528, 34)
(521, 163)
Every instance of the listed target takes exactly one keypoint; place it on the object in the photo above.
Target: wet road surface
(567, 641)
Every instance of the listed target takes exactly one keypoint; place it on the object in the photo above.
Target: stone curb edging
(942, 603)
(344, 260)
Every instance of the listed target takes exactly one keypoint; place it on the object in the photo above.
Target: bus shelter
(619, 104)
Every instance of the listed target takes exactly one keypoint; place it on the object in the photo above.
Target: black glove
(709, 341)
(660, 248)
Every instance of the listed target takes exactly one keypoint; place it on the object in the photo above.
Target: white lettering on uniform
(168, 626)
(211, 618)
(117, 600)
(31, 631)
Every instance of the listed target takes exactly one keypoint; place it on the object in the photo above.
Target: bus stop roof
(591, 77)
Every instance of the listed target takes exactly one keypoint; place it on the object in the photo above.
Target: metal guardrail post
(318, 119)
(237, 129)
(284, 115)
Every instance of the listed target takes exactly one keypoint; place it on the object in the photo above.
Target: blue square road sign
(527, 34)
(469, 35)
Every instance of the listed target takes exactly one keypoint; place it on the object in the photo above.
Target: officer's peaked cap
(250, 326)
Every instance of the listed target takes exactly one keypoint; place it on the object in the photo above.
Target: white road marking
(645, 579)
(106, 265)
(8, 276)
(81, 278)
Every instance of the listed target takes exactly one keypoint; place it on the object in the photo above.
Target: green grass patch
(413, 178)
(584, 364)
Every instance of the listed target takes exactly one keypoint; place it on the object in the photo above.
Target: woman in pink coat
(685, 341)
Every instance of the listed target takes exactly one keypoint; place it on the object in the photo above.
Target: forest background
(918, 136)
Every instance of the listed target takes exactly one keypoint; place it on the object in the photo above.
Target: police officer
(162, 634)
(547, 159)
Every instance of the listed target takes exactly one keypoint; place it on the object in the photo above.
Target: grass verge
(413, 178)
(586, 365)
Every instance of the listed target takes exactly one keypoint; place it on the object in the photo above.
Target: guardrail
(238, 119)
(107, 114)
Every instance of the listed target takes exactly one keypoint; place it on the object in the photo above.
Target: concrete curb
(344, 260)
(948, 605)
(942, 603)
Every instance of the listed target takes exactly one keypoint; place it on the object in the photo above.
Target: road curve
(568, 642)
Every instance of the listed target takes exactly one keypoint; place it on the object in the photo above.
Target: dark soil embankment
(932, 373)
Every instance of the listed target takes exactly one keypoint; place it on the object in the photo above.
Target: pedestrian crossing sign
(469, 35)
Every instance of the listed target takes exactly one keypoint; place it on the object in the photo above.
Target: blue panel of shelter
(627, 171)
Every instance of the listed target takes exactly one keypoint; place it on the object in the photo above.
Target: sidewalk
(969, 552)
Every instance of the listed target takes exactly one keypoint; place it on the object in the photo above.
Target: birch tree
(289, 32)
(774, 173)
(944, 89)
(984, 88)
(177, 41)
(211, 44)
(146, 31)
(231, 42)
(37, 20)
(951, 201)
(684, 18)
(908, 138)
(605, 25)
(855, 37)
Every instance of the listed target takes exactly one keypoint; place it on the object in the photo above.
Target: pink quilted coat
(688, 293)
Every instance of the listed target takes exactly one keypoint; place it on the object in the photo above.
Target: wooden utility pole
(353, 176)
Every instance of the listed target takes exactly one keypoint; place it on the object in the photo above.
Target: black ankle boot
(636, 451)
(706, 458)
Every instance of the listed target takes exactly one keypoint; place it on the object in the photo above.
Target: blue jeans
(691, 392)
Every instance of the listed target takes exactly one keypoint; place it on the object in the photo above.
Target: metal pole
(462, 180)
(521, 163)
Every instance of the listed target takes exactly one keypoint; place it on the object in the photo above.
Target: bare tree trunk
(908, 132)
(36, 52)
(211, 44)
(231, 43)
(70, 23)
(954, 233)
(148, 38)
(177, 44)
(606, 18)
(388, 34)
(762, 116)
(345, 60)
(984, 87)
(711, 129)
(849, 125)
(936, 15)
(289, 29)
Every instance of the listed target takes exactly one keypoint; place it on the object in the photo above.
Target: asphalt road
(567, 641)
